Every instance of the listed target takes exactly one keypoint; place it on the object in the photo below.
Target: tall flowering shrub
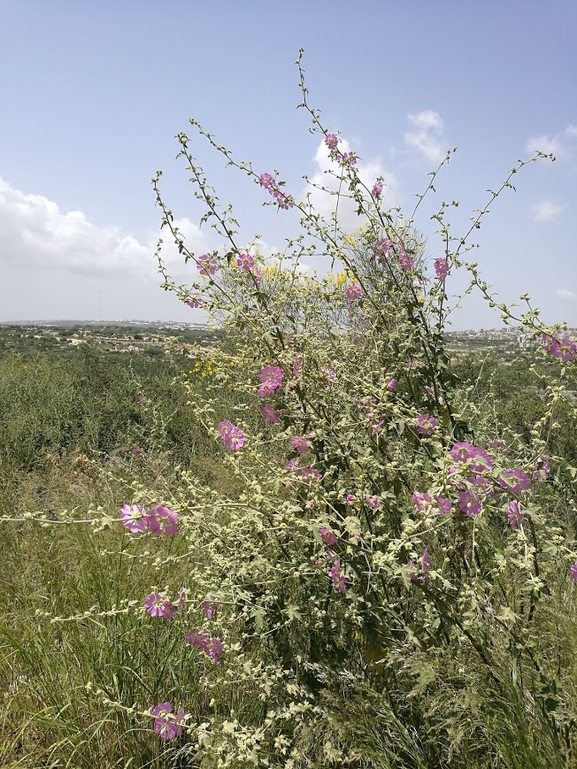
(381, 556)
(372, 586)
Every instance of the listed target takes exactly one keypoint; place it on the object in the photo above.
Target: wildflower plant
(371, 587)
(378, 536)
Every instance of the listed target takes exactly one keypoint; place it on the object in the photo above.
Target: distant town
(138, 335)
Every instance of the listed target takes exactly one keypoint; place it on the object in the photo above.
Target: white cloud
(547, 212)
(563, 293)
(325, 203)
(35, 233)
(559, 144)
(426, 139)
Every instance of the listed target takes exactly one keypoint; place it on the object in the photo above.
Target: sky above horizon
(92, 95)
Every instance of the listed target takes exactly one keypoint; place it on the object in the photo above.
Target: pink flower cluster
(212, 647)
(159, 520)
(270, 380)
(231, 435)
(564, 349)
(168, 728)
(344, 158)
(377, 190)
(268, 182)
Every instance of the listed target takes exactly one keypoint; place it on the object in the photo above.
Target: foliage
(385, 578)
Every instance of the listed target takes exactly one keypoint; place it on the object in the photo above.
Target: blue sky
(92, 94)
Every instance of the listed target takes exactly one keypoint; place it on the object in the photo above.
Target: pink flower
(338, 578)
(328, 536)
(350, 499)
(391, 385)
(300, 442)
(305, 474)
(425, 563)
(426, 424)
(270, 413)
(270, 185)
(469, 504)
(383, 247)
(245, 262)
(445, 505)
(464, 451)
(310, 474)
(232, 436)
(441, 268)
(573, 570)
(134, 518)
(266, 181)
(181, 598)
(168, 728)
(271, 379)
(206, 265)
(481, 484)
(194, 301)
(158, 605)
(208, 609)
(377, 190)
(406, 261)
(196, 637)
(163, 520)
(212, 647)
(514, 516)
(331, 140)
(284, 201)
(353, 291)
(422, 501)
(348, 159)
(514, 481)
(373, 502)
(377, 426)
(564, 349)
